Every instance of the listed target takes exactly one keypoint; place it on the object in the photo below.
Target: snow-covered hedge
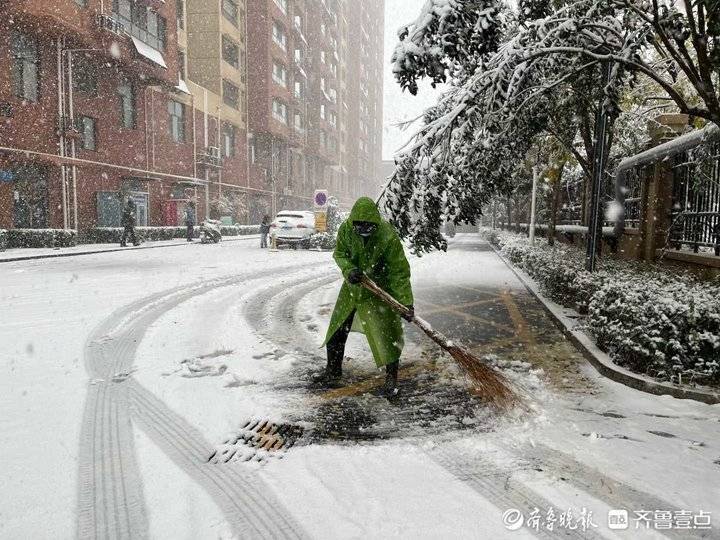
(3, 239)
(323, 240)
(40, 238)
(239, 230)
(652, 321)
(112, 235)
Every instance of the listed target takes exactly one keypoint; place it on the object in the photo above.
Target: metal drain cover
(258, 440)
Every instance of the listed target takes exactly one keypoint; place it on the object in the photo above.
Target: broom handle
(436, 336)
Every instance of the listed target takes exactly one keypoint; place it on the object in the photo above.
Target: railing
(635, 182)
(695, 215)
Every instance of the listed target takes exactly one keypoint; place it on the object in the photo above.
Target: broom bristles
(490, 384)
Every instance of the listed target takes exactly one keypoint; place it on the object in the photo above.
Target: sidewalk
(27, 254)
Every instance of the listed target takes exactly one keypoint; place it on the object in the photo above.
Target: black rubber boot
(390, 390)
(331, 377)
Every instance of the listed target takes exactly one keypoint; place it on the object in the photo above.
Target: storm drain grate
(257, 439)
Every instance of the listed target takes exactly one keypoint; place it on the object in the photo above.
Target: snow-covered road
(125, 373)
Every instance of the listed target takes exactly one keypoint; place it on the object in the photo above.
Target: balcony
(210, 158)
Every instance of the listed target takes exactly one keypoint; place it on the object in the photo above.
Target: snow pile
(655, 322)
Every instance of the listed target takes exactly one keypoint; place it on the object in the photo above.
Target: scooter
(210, 231)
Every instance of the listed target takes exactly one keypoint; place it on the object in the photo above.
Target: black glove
(410, 314)
(355, 276)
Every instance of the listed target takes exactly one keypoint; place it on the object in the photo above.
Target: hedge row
(37, 238)
(650, 321)
(112, 235)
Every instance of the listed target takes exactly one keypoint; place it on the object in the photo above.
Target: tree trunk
(555, 206)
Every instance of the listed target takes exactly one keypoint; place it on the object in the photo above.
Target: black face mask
(364, 228)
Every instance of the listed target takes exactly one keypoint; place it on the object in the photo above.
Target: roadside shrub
(40, 238)
(649, 320)
(112, 235)
(324, 241)
(239, 230)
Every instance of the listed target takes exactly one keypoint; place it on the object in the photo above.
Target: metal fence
(695, 215)
(635, 181)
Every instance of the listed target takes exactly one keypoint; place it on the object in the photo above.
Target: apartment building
(366, 22)
(93, 107)
(308, 101)
(246, 107)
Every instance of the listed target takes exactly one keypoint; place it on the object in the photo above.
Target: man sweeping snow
(369, 245)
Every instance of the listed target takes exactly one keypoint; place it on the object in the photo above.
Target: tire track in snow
(272, 312)
(497, 486)
(110, 497)
(614, 493)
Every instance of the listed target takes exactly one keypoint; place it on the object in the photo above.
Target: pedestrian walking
(264, 231)
(190, 219)
(128, 221)
(369, 245)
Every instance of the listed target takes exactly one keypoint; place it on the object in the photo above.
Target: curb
(109, 250)
(566, 319)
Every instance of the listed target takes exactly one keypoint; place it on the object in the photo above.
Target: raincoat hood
(365, 210)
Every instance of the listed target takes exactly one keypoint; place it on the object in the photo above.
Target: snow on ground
(239, 351)
(49, 308)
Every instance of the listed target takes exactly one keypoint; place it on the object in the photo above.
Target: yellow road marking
(521, 326)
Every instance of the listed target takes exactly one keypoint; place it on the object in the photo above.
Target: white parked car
(293, 227)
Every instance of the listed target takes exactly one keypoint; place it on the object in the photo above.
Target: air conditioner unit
(213, 152)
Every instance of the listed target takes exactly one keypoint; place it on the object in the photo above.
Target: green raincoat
(383, 260)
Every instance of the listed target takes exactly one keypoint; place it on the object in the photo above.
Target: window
(231, 52)
(333, 118)
(282, 4)
(229, 141)
(182, 60)
(299, 122)
(25, 66)
(85, 77)
(127, 105)
(177, 121)
(230, 11)
(231, 94)
(279, 36)
(279, 74)
(81, 3)
(323, 139)
(180, 10)
(299, 90)
(323, 112)
(141, 22)
(88, 133)
(280, 111)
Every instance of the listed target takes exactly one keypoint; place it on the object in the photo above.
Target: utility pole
(533, 204)
(600, 158)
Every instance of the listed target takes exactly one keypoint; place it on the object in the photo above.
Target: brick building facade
(172, 101)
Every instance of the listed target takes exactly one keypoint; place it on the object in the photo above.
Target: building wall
(325, 152)
(150, 158)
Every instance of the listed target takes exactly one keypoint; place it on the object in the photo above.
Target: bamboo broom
(489, 383)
